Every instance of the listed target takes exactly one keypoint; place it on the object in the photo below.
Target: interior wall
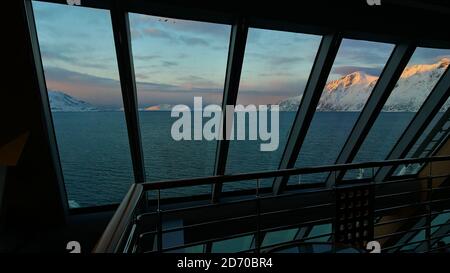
(31, 201)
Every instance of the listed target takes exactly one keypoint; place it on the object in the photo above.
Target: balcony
(403, 214)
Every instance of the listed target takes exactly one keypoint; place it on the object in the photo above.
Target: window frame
(119, 11)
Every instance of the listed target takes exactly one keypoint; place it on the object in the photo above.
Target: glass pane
(278, 237)
(442, 242)
(317, 231)
(275, 70)
(355, 71)
(79, 59)
(439, 220)
(232, 245)
(416, 82)
(175, 61)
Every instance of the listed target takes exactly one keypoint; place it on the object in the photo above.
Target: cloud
(185, 31)
(360, 56)
(64, 75)
(203, 28)
(98, 63)
(193, 41)
(149, 86)
(157, 33)
(146, 57)
(96, 90)
(429, 55)
(154, 32)
(105, 92)
(199, 82)
(363, 53)
(274, 86)
(135, 34)
(56, 74)
(277, 74)
(285, 60)
(44, 10)
(275, 61)
(345, 70)
(169, 63)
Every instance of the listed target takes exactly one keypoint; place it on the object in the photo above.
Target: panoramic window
(275, 70)
(355, 71)
(415, 84)
(79, 59)
(176, 61)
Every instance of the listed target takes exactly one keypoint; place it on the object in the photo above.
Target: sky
(175, 60)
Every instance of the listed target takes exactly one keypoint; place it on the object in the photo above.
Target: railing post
(159, 227)
(333, 226)
(258, 215)
(429, 199)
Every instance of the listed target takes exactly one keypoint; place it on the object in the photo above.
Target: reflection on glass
(420, 236)
(175, 61)
(79, 59)
(416, 82)
(233, 245)
(355, 71)
(275, 70)
(320, 233)
(279, 237)
(439, 220)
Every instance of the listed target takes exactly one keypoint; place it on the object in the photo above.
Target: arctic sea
(96, 162)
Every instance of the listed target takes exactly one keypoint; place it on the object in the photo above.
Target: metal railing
(139, 223)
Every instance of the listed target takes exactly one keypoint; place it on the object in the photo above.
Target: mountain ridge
(62, 102)
(350, 92)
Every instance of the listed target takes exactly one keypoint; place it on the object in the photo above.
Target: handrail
(111, 237)
(168, 184)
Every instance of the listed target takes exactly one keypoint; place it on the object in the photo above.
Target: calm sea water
(96, 161)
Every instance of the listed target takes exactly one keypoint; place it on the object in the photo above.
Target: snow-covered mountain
(350, 92)
(159, 107)
(61, 102)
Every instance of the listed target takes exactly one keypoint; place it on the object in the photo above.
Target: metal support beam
(429, 138)
(41, 86)
(317, 79)
(122, 39)
(426, 113)
(236, 52)
(440, 146)
(386, 83)
(436, 148)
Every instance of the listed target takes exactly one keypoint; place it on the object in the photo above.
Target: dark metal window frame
(434, 131)
(317, 79)
(119, 10)
(39, 77)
